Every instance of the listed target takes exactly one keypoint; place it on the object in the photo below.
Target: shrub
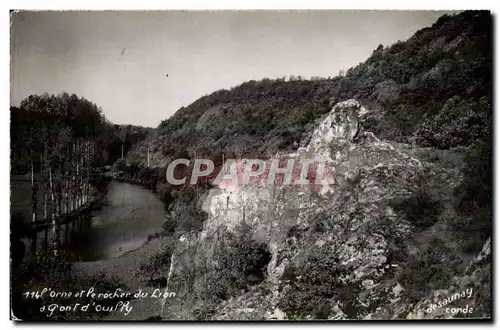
(119, 165)
(185, 208)
(474, 197)
(459, 126)
(321, 222)
(477, 190)
(192, 219)
(420, 276)
(310, 286)
(420, 209)
(245, 261)
(240, 263)
(157, 263)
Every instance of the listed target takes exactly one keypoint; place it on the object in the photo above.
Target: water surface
(130, 214)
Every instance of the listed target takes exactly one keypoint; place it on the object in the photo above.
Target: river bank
(126, 266)
(126, 235)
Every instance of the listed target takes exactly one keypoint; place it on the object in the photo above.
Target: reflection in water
(123, 224)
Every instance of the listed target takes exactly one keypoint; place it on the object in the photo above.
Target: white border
(248, 4)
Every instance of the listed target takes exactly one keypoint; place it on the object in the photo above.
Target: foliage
(126, 136)
(406, 84)
(186, 208)
(478, 173)
(453, 57)
(240, 263)
(157, 263)
(311, 286)
(460, 125)
(411, 88)
(474, 197)
(321, 222)
(49, 120)
(425, 272)
(52, 120)
(420, 209)
(119, 165)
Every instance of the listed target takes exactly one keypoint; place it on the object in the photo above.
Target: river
(117, 243)
(130, 214)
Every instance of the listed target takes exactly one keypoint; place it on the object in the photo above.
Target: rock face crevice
(348, 223)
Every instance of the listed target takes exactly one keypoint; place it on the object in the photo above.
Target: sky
(119, 60)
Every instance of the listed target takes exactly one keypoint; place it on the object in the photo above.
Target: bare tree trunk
(87, 173)
(73, 178)
(91, 157)
(33, 200)
(44, 190)
(55, 222)
(45, 203)
(33, 206)
(80, 176)
(66, 180)
(149, 163)
(77, 179)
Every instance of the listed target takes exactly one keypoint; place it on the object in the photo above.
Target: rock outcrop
(343, 250)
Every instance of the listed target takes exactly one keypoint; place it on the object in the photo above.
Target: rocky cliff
(373, 242)
(399, 228)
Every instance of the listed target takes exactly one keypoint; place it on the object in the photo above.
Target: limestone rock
(351, 220)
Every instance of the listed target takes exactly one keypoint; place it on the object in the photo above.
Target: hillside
(405, 222)
(433, 89)
(384, 240)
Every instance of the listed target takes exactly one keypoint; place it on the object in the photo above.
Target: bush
(240, 264)
(477, 189)
(427, 273)
(245, 261)
(192, 219)
(474, 198)
(459, 126)
(185, 208)
(420, 209)
(157, 263)
(321, 222)
(119, 165)
(310, 287)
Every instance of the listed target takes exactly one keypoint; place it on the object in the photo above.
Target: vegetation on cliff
(430, 97)
(434, 89)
